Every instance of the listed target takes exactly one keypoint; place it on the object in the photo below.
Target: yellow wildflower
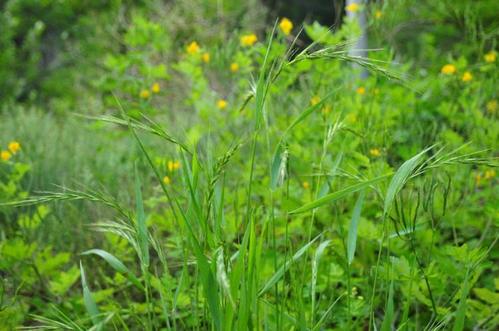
(353, 7)
(286, 26)
(173, 165)
(490, 57)
(145, 94)
(467, 76)
(306, 185)
(193, 48)
(14, 147)
(492, 106)
(155, 88)
(448, 69)
(167, 180)
(378, 14)
(375, 152)
(326, 109)
(489, 174)
(5, 155)
(478, 179)
(221, 104)
(234, 67)
(315, 100)
(248, 39)
(361, 90)
(205, 57)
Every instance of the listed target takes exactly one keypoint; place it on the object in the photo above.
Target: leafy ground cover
(172, 172)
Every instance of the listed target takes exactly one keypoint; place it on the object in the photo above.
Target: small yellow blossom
(306, 185)
(167, 180)
(491, 106)
(155, 88)
(375, 152)
(361, 90)
(478, 179)
(221, 104)
(315, 100)
(353, 7)
(14, 147)
(205, 57)
(234, 67)
(378, 14)
(448, 69)
(173, 165)
(326, 109)
(467, 76)
(145, 94)
(5, 155)
(249, 39)
(490, 57)
(286, 26)
(193, 48)
(489, 174)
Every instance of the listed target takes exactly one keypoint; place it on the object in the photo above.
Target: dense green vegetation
(199, 165)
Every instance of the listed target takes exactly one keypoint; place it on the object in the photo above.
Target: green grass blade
(315, 271)
(402, 175)
(461, 309)
(116, 264)
(142, 236)
(354, 224)
(338, 194)
(389, 311)
(88, 299)
(280, 272)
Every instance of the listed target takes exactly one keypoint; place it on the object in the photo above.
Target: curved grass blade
(279, 273)
(142, 236)
(338, 194)
(354, 224)
(116, 264)
(88, 299)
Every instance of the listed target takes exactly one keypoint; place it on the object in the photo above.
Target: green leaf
(116, 264)
(338, 194)
(354, 224)
(389, 311)
(461, 309)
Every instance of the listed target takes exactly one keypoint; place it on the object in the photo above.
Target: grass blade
(389, 311)
(354, 224)
(88, 299)
(338, 194)
(142, 236)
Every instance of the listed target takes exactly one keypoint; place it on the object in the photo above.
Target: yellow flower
(375, 152)
(14, 147)
(467, 76)
(193, 48)
(221, 104)
(306, 185)
(167, 180)
(315, 100)
(155, 88)
(353, 7)
(378, 14)
(173, 165)
(145, 94)
(478, 179)
(248, 39)
(326, 109)
(234, 67)
(286, 26)
(361, 90)
(448, 69)
(489, 174)
(492, 106)
(5, 155)
(205, 57)
(490, 57)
